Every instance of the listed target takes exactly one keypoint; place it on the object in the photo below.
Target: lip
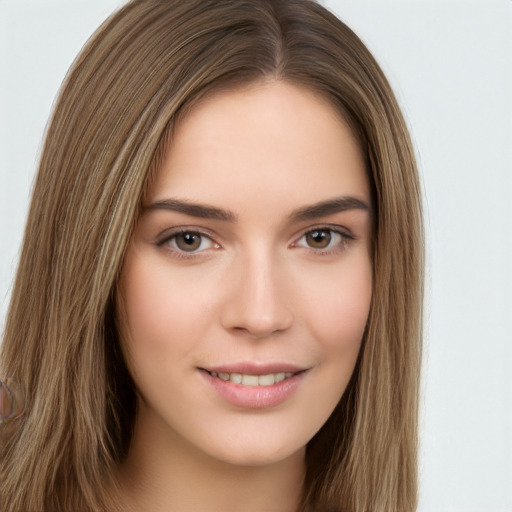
(254, 397)
(253, 368)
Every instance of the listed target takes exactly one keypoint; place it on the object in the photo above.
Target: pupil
(319, 239)
(188, 241)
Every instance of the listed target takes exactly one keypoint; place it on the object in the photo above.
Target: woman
(218, 303)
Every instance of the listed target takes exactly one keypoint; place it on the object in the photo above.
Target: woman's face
(245, 292)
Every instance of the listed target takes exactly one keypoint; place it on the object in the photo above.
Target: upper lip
(254, 368)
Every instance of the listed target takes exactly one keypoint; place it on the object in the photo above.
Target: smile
(245, 379)
(252, 387)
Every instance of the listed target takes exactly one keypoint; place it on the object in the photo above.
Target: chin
(256, 454)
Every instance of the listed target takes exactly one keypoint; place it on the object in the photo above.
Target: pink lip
(252, 368)
(254, 397)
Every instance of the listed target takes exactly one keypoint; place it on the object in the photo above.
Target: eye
(189, 242)
(320, 238)
(323, 239)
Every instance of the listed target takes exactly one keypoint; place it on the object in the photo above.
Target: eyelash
(344, 239)
(176, 251)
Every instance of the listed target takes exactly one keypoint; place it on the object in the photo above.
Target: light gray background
(450, 65)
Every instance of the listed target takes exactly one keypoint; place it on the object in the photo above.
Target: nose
(257, 303)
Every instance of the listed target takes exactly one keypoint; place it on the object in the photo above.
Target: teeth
(253, 380)
(266, 380)
(250, 380)
(236, 378)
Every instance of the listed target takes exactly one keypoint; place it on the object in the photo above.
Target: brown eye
(319, 238)
(324, 240)
(189, 241)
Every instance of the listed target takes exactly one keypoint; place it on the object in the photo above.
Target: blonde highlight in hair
(143, 68)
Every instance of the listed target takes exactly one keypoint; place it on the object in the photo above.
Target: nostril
(257, 332)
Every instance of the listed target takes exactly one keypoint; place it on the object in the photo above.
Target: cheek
(337, 320)
(338, 309)
(162, 313)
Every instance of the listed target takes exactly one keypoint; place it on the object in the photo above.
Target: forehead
(273, 139)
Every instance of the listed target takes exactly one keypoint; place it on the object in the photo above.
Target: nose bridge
(258, 303)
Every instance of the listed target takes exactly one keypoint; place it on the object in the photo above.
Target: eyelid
(165, 236)
(346, 235)
(342, 230)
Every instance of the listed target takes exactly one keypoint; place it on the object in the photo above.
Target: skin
(258, 287)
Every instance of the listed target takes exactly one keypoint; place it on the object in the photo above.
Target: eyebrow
(329, 207)
(201, 211)
(314, 211)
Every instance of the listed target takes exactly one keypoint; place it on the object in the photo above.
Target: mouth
(252, 380)
(251, 386)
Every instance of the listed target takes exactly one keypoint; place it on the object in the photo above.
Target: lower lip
(255, 397)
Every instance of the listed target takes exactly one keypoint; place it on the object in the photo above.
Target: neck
(163, 472)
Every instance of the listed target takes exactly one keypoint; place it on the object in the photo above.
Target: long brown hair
(146, 65)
